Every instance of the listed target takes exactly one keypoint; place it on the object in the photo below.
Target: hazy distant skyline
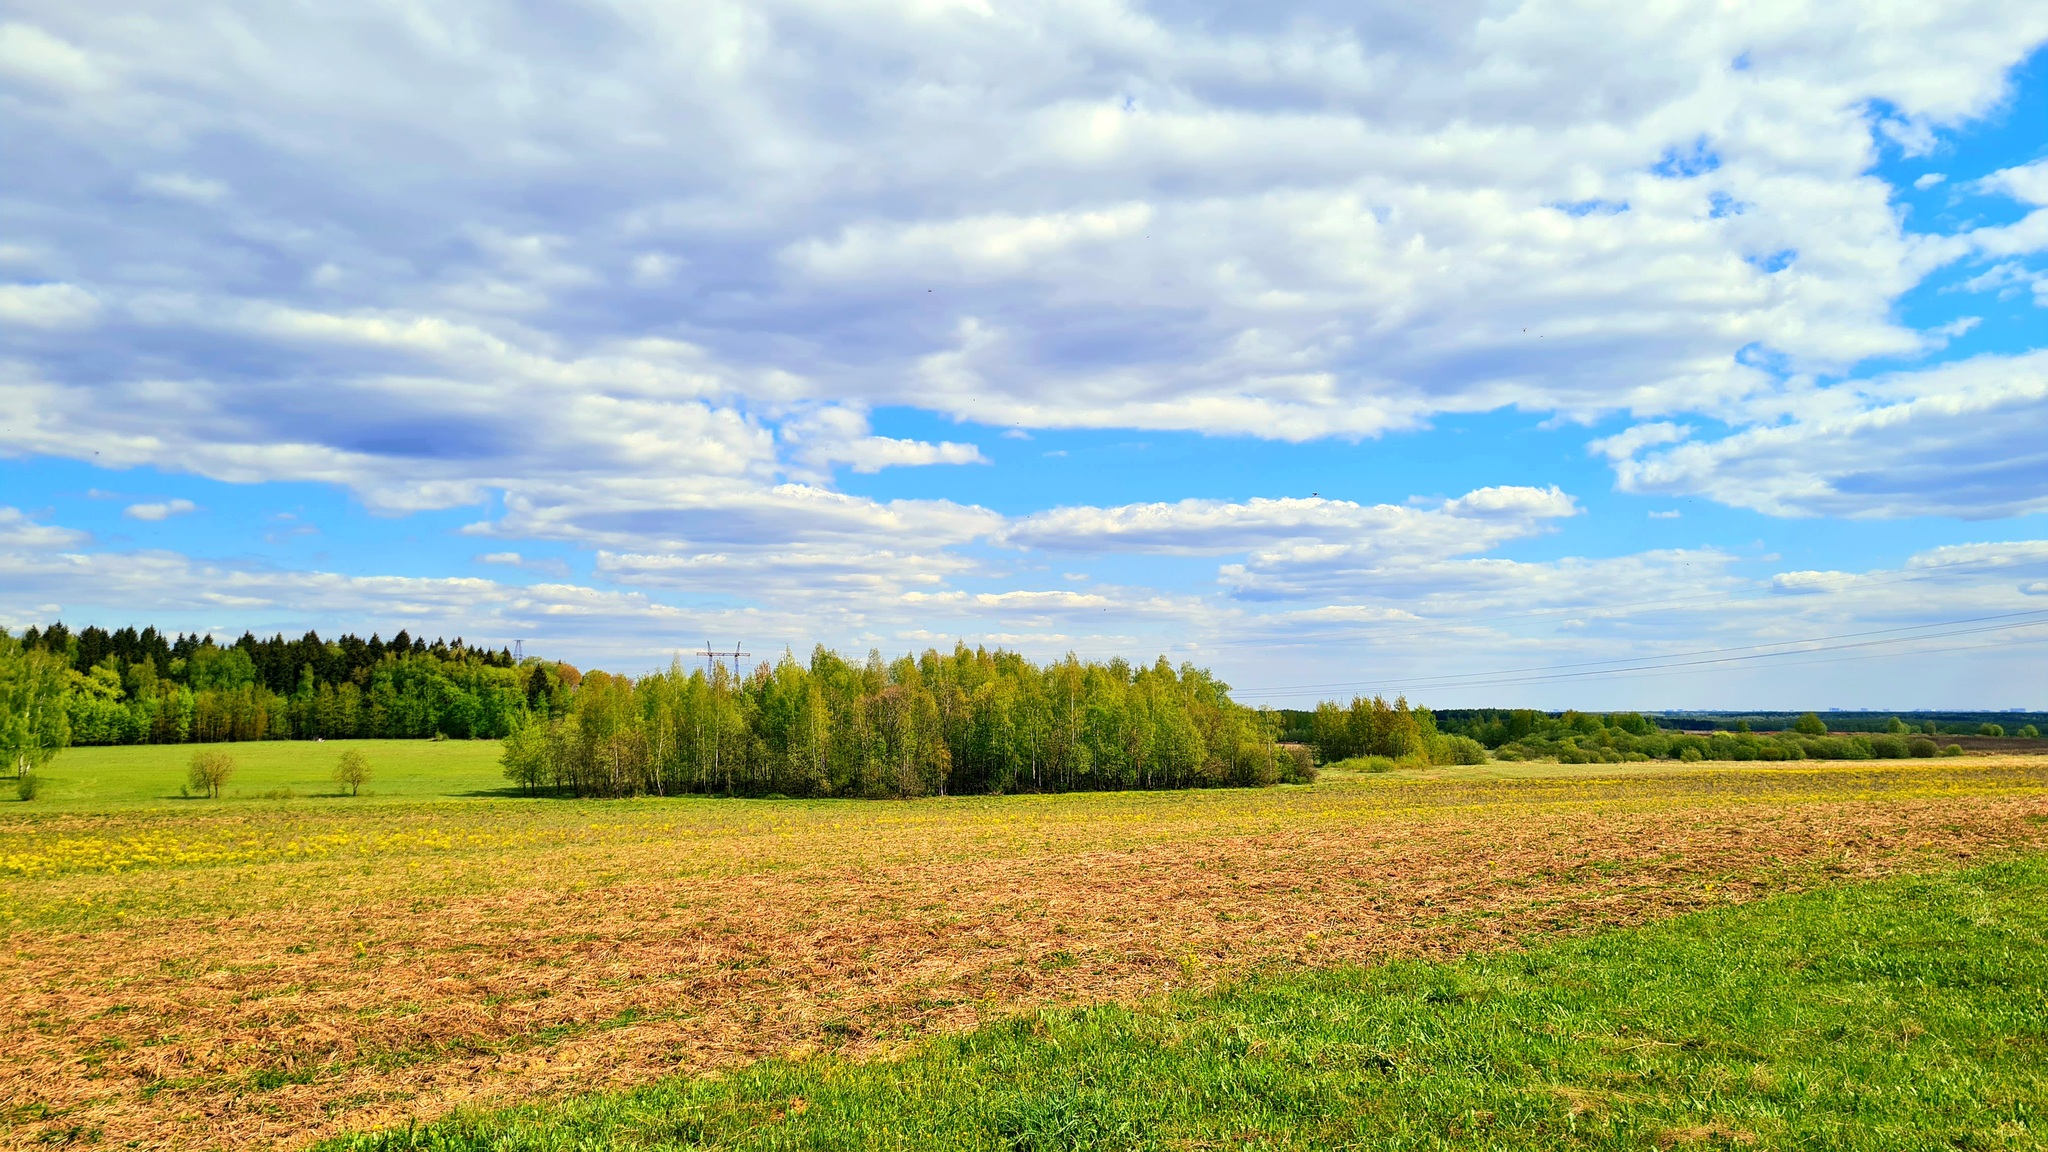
(1535, 354)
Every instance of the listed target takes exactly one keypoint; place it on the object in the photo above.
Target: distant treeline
(973, 721)
(147, 687)
(1944, 723)
(1591, 737)
(1489, 725)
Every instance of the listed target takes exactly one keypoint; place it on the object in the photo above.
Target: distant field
(248, 972)
(149, 773)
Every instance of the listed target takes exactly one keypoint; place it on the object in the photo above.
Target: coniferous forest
(146, 687)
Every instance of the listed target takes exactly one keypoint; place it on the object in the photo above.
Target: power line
(714, 657)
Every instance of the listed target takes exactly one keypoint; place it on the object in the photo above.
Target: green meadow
(147, 774)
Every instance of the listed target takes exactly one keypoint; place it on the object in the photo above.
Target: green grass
(1908, 1014)
(103, 778)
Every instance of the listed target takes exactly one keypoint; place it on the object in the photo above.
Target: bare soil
(270, 1004)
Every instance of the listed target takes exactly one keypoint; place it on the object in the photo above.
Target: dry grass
(269, 975)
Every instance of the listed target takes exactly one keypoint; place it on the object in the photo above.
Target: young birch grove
(975, 721)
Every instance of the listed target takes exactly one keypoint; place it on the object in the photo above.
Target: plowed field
(250, 974)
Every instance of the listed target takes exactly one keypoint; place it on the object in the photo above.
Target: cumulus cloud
(985, 245)
(1956, 440)
(159, 510)
(1096, 216)
(18, 530)
(2025, 182)
(648, 317)
(32, 54)
(183, 186)
(547, 564)
(822, 437)
(1474, 522)
(1442, 629)
(46, 305)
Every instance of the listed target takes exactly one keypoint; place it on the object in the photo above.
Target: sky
(1677, 355)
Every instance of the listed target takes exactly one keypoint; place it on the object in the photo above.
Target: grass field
(107, 778)
(250, 971)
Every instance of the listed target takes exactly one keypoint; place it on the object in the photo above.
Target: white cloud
(159, 510)
(647, 314)
(2026, 182)
(823, 437)
(651, 268)
(819, 574)
(182, 186)
(1474, 522)
(1083, 217)
(1627, 443)
(998, 245)
(546, 564)
(1424, 626)
(17, 530)
(1957, 440)
(1928, 181)
(33, 54)
(46, 305)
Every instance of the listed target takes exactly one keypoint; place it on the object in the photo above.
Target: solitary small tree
(352, 772)
(210, 769)
(1809, 724)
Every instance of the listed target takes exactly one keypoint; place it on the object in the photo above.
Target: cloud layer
(638, 280)
(316, 234)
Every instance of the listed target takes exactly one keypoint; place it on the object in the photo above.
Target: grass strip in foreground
(1906, 1014)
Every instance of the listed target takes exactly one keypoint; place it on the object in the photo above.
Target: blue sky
(1545, 354)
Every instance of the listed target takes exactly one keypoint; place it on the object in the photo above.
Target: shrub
(1375, 763)
(1809, 724)
(210, 769)
(1457, 750)
(352, 772)
(27, 785)
(1690, 755)
(2029, 733)
(1922, 747)
(1297, 765)
(1990, 729)
(1952, 750)
(1887, 748)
